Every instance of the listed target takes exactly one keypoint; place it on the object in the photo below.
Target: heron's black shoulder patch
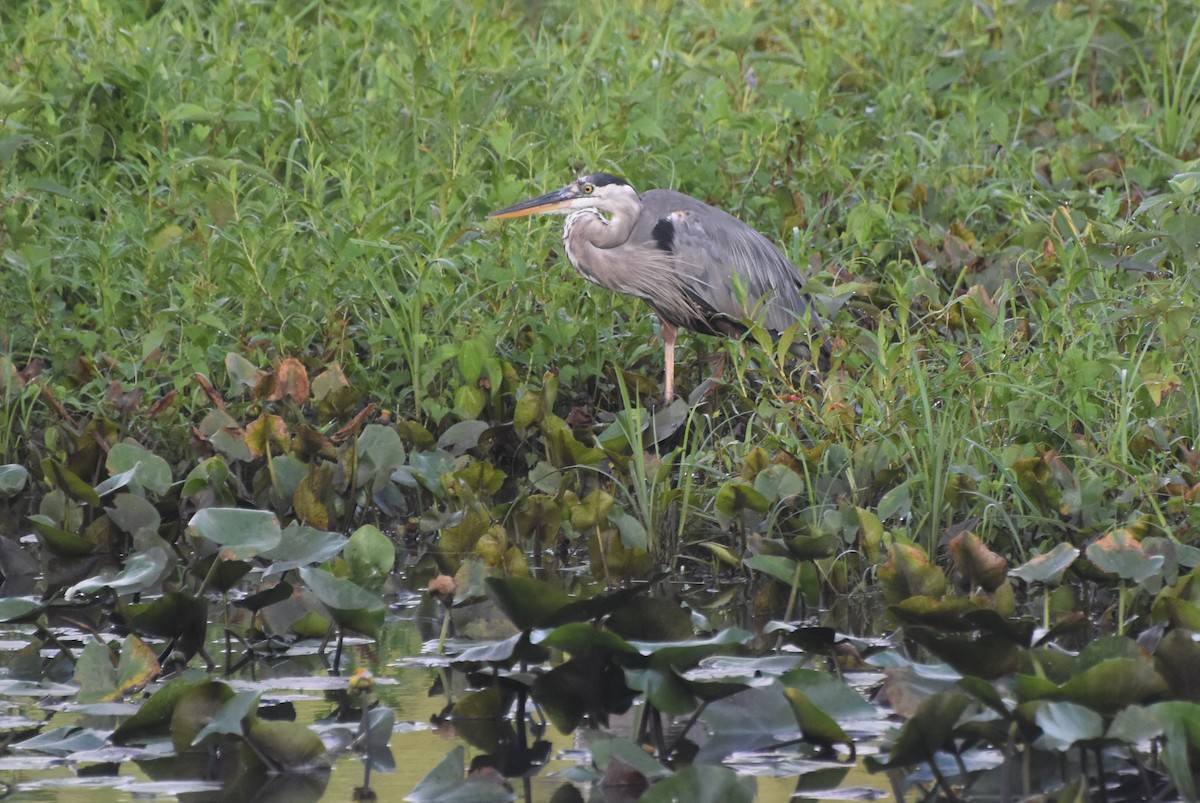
(604, 179)
(664, 233)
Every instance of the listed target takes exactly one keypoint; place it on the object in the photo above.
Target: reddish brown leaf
(49, 398)
(209, 390)
(31, 370)
(126, 402)
(291, 381)
(979, 566)
(579, 418)
(355, 424)
(162, 405)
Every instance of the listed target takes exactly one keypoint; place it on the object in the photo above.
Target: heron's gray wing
(724, 264)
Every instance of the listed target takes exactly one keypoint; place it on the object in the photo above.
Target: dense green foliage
(205, 202)
(186, 180)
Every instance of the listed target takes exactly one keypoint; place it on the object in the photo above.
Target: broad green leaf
(979, 566)
(1066, 724)
(147, 470)
(816, 725)
(195, 708)
(462, 436)
(703, 783)
(177, 614)
(908, 572)
(527, 602)
(300, 545)
(134, 515)
(445, 783)
(577, 637)
(286, 746)
(777, 482)
(370, 555)
(95, 673)
(241, 534)
(20, 609)
(351, 606)
(13, 479)
(232, 718)
(1181, 726)
(530, 409)
(830, 694)
(1047, 568)
(154, 715)
(267, 436)
(62, 477)
(605, 747)
(1121, 554)
(141, 572)
(57, 540)
(1111, 685)
(735, 497)
(62, 742)
(747, 721)
(380, 452)
(925, 734)
(633, 534)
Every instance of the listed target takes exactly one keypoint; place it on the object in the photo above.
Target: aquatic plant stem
(791, 605)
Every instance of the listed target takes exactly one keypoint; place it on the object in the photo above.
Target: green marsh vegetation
(245, 267)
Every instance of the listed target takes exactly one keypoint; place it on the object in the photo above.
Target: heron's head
(601, 191)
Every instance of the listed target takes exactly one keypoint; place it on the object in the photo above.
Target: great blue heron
(696, 266)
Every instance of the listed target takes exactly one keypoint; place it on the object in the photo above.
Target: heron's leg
(668, 336)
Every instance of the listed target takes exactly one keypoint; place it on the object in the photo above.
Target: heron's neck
(588, 236)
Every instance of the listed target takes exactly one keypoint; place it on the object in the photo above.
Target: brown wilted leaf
(49, 398)
(32, 370)
(355, 423)
(979, 566)
(1049, 252)
(619, 775)
(960, 253)
(162, 405)
(126, 402)
(908, 572)
(291, 381)
(579, 418)
(209, 390)
(926, 253)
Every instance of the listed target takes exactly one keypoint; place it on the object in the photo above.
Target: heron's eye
(587, 189)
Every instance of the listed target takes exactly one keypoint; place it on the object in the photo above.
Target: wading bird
(696, 266)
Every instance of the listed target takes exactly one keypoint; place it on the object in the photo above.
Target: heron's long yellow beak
(555, 201)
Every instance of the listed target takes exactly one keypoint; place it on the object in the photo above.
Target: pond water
(406, 670)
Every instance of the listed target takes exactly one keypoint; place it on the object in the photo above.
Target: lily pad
(301, 545)
(287, 746)
(13, 479)
(370, 555)
(446, 783)
(703, 783)
(1048, 567)
(141, 572)
(57, 540)
(351, 606)
(241, 534)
